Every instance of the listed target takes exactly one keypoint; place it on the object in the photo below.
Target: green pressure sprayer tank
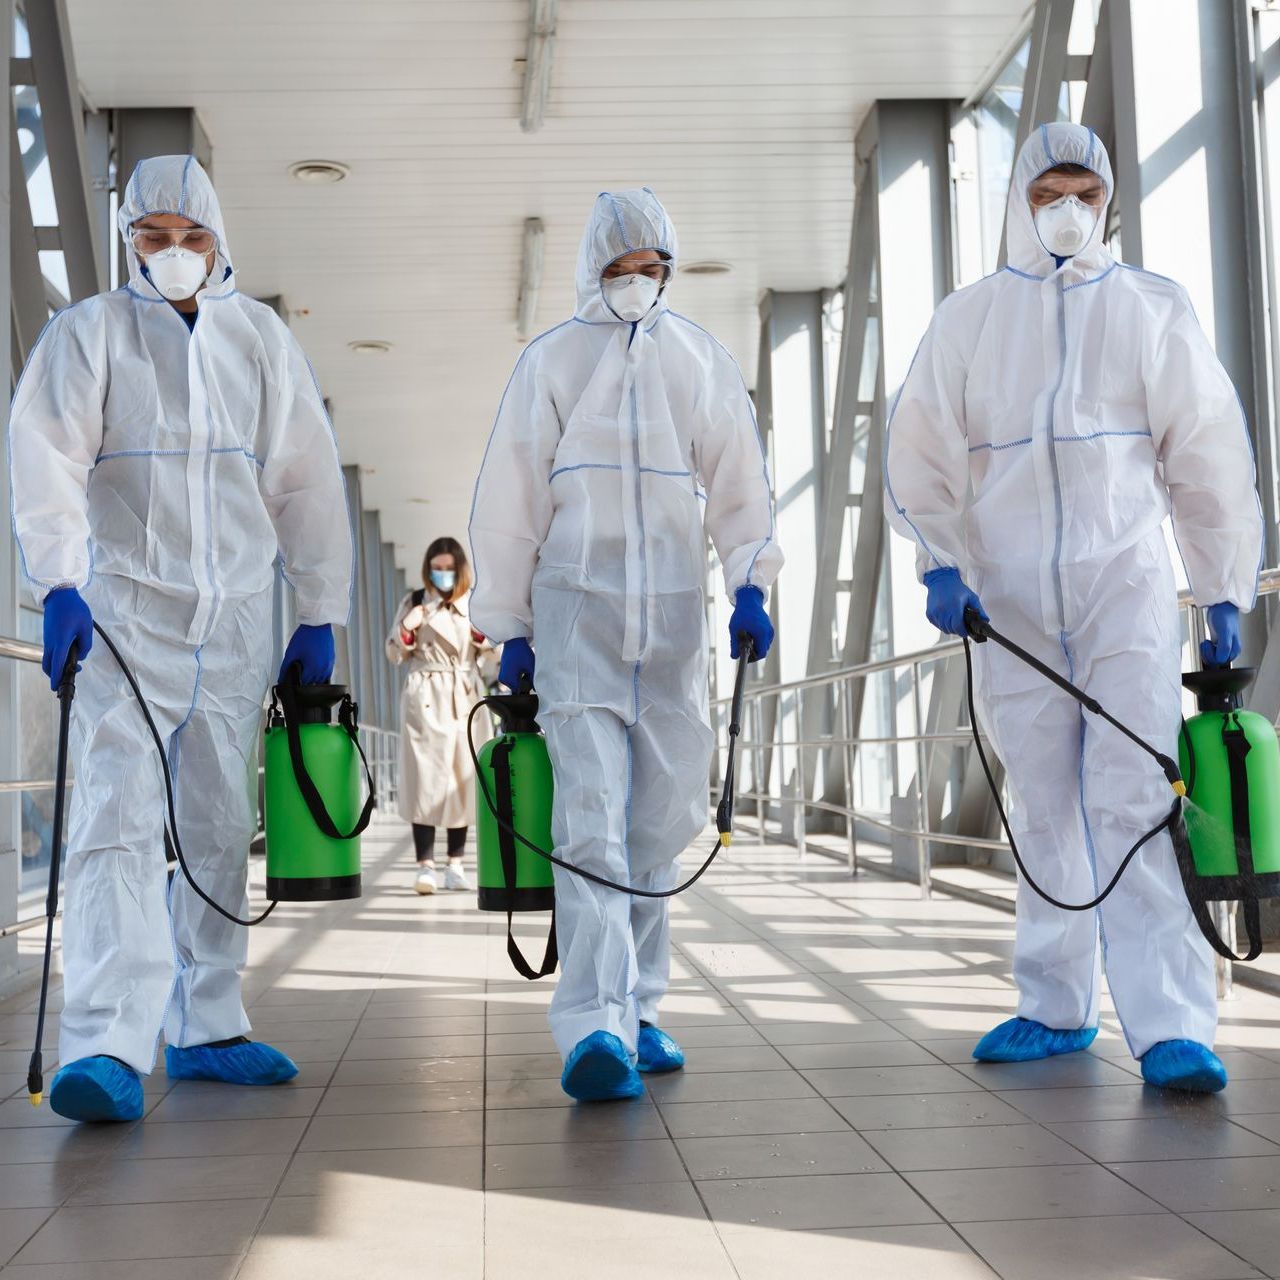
(1230, 760)
(516, 781)
(314, 814)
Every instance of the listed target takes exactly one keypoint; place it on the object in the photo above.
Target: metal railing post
(850, 823)
(922, 785)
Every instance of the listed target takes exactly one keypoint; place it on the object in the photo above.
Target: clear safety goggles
(620, 268)
(150, 240)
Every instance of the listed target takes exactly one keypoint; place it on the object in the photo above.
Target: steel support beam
(62, 115)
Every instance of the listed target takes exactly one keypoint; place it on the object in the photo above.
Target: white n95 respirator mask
(177, 273)
(631, 298)
(1064, 227)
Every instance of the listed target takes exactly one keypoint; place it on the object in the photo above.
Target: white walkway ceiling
(739, 113)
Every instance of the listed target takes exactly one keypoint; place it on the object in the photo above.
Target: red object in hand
(407, 638)
(477, 636)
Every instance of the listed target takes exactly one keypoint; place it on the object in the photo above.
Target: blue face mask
(443, 579)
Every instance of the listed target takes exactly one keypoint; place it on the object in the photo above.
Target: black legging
(424, 841)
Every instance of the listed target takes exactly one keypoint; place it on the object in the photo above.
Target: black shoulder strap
(286, 692)
(418, 596)
(1200, 906)
(501, 764)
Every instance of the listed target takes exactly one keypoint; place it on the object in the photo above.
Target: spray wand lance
(66, 694)
(724, 811)
(981, 630)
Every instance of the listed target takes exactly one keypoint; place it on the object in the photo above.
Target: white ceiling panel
(739, 113)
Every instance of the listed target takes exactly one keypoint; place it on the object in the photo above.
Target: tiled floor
(830, 1121)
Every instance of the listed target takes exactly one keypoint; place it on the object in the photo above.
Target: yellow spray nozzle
(1179, 788)
(726, 839)
(36, 1098)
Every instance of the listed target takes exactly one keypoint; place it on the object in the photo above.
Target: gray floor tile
(1266, 1126)
(1103, 1249)
(379, 1049)
(385, 1132)
(523, 1066)
(807, 1203)
(65, 1144)
(783, 1115)
(410, 1071)
(375, 1028)
(519, 1042)
(581, 1164)
(782, 1033)
(859, 1082)
(502, 1094)
(39, 1186)
(1252, 1233)
(719, 1036)
(926, 1111)
(759, 1057)
(872, 1053)
(183, 1178)
(1105, 1102)
(1249, 1097)
(728, 1086)
(573, 1124)
(338, 1173)
(373, 1099)
(116, 1232)
(1201, 1186)
(1052, 1191)
(212, 1138)
(201, 1100)
(1069, 1070)
(621, 1214)
(224, 1268)
(779, 1155)
(17, 1226)
(972, 1147)
(1164, 1138)
(858, 1253)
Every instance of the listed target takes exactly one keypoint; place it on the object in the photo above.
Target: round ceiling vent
(318, 173)
(709, 267)
(370, 347)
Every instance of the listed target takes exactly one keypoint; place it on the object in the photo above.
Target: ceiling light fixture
(538, 57)
(535, 235)
(318, 173)
(708, 267)
(370, 347)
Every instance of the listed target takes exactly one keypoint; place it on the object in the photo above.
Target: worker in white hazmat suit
(1054, 415)
(622, 435)
(168, 442)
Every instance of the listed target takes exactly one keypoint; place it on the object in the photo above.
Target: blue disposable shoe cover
(1025, 1040)
(244, 1063)
(97, 1090)
(600, 1070)
(657, 1051)
(1184, 1064)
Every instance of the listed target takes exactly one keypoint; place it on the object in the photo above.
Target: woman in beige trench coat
(432, 637)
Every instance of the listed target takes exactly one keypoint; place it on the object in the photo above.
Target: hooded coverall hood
(621, 222)
(1049, 146)
(175, 185)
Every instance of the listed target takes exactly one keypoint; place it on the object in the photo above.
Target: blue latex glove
(313, 648)
(749, 618)
(1224, 627)
(66, 619)
(948, 599)
(517, 661)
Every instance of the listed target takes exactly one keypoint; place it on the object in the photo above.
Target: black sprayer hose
(1166, 824)
(724, 813)
(172, 808)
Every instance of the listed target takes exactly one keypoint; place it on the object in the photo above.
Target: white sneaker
(456, 878)
(426, 881)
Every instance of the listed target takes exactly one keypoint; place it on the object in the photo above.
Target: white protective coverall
(161, 472)
(1051, 420)
(587, 534)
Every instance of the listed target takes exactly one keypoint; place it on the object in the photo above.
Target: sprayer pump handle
(976, 625)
